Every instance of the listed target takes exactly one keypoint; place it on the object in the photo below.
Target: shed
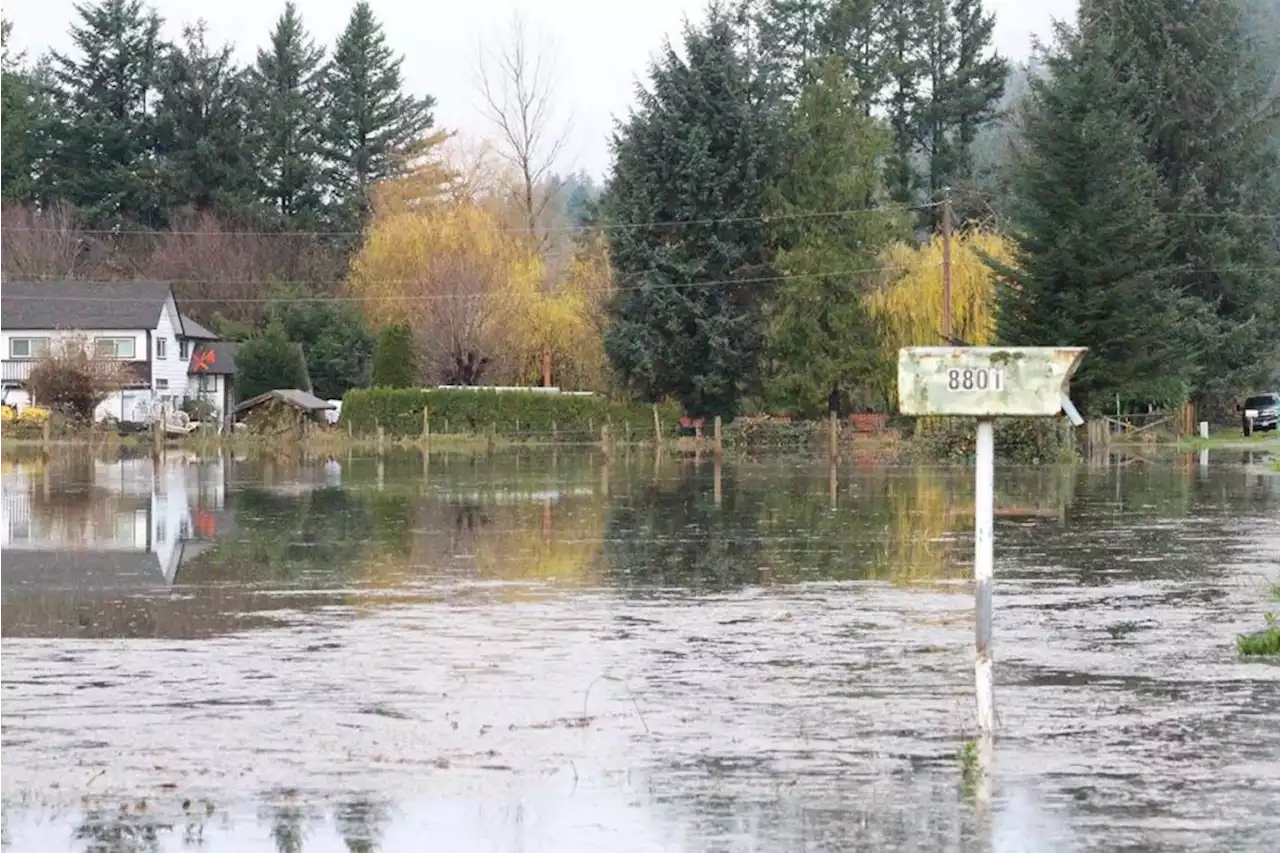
(303, 401)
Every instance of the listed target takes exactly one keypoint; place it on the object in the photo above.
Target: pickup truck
(1260, 413)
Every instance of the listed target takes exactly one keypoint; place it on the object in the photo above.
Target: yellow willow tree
(564, 320)
(446, 271)
(476, 293)
(909, 305)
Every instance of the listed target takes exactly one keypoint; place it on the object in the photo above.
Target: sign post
(986, 383)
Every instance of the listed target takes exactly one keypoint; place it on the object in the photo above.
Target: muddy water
(545, 653)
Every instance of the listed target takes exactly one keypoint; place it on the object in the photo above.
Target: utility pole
(946, 263)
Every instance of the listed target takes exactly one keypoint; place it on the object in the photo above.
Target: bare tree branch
(516, 83)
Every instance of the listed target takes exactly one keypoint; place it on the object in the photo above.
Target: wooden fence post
(657, 425)
(426, 423)
(719, 436)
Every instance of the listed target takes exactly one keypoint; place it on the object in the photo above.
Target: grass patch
(1264, 643)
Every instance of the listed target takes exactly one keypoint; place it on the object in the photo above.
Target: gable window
(184, 350)
(162, 348)
(121, 348)
(21, 348)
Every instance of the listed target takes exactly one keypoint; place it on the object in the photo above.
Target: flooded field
(555, 652)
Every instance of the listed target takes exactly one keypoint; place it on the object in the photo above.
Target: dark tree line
(130, 130)
(770, 111)
(1146, 198)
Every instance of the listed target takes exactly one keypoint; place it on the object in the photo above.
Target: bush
(1024, 441)
(395, 363)
(511, 413)
(70, 380)
(269, 361)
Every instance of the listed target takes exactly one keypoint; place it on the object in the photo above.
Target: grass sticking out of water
(970, 768)
(1264, 643)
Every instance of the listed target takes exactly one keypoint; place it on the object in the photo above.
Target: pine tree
(820, 336)
(904, 67)
(21, 133)
(1092, 262)
(1209, 127)
(790, 34)
(699, 149)
(372, 127)
(201, 120)
(267, 361)
(395, 363)
(856, 33)
(106, 108)
(285, 115)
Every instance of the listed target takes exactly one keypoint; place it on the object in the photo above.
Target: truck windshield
(1263, 402)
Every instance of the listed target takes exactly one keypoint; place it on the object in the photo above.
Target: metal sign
(993, 382)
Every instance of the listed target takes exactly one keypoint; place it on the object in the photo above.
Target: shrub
(269, 361)
(399, 412)
(71, 380)
(1026, 441)
(394, 359)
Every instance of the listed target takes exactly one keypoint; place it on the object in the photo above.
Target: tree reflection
(675, 535)
(360, 823)
(103, 831)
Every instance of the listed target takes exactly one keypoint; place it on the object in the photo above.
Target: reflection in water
(547, 652)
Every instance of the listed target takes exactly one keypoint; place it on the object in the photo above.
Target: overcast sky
(602, 46)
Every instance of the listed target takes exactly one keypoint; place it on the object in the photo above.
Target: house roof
(217, 358)
(40, 305)
(298, 399)
(192, 329)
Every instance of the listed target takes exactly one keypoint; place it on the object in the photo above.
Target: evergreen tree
(904, 68)
(1091, 266)
(267, 361)
(699, 151)
(285, 115)
(820, 337)
(201, 127)
(372, 127)
(337, 343)
(104, 162)
(395, 363)
(1209, 126)
(977, 84)
(791, 39)
(855, 32)
(22, 105)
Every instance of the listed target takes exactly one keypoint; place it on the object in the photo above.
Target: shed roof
(303, 400)
(41, 305)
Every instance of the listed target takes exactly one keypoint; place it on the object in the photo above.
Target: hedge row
(508, 413)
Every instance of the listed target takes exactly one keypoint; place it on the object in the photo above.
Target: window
(162, 347)
(184, 350)
(28, 347)
(162, 384)
(207, 383)
(122, 348)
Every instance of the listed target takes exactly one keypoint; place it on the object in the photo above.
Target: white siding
(172, 367)
(139, 338)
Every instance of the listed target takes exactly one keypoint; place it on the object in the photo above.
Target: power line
(430, 297)
(615, 226)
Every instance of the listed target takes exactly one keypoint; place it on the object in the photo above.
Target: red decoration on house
(204, 359)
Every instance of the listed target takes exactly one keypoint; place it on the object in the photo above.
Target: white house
(169, 358)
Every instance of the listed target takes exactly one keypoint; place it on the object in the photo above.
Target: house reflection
(123, 525)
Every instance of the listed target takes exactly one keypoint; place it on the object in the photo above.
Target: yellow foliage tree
(475, 292)
(909, 305)
(910, 302)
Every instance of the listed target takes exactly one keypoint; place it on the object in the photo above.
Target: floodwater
(545, 652)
